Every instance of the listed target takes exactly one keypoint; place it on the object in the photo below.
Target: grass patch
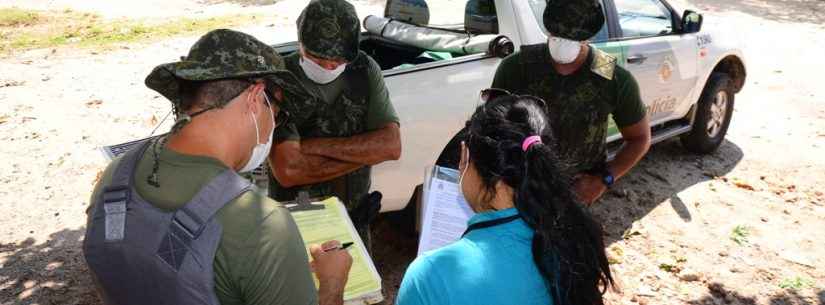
(796, 283)
(12, 17)
(672, 265)
(740, 234)
(69, 28)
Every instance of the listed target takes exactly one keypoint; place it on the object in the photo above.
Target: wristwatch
(607, 177)
(602, 170)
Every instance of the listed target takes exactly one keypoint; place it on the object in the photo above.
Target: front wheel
(713, 115)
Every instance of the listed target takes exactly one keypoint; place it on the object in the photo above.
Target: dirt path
(669, 223)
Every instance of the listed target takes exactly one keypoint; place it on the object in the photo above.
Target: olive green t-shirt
(261, 258)
(578, 105)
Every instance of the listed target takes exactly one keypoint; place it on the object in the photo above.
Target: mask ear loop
(466, 163)
(271, 111)
(271, 116)
(466, 157)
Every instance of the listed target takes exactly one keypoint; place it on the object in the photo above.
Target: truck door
(663, 62)
(433, 99)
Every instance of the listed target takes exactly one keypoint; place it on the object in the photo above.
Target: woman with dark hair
(531, 242)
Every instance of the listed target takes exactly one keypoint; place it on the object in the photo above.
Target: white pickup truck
(688, 74)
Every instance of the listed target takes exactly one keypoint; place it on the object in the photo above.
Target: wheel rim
(718, 111)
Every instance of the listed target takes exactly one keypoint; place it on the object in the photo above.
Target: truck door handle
(636, 59)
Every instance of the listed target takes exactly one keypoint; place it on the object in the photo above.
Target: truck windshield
(538, 11)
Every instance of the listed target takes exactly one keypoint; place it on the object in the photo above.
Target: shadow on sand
(720, 295)
(658, 179)
(51, 272)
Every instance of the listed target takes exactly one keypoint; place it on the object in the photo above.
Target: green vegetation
(16, 17)
(668, 267)
(740, 234)
(25, 30)
(796, 283)
(672, 265)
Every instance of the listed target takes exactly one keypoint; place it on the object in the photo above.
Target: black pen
(341, 247)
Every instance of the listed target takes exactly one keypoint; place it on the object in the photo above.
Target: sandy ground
(675, 208)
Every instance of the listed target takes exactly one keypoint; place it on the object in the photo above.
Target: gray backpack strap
(117, 193)
(190, 220)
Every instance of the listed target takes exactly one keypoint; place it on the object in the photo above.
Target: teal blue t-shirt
(489, 266)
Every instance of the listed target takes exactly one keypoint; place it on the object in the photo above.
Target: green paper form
(333, 223)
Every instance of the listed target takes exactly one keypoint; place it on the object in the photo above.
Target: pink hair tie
(529, 141)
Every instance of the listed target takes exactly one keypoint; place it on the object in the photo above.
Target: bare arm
(637, 142)
(369, 148)
(291, 167)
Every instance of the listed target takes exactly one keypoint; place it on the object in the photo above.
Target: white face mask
(564, 51)
(260, 151)
(319, 74)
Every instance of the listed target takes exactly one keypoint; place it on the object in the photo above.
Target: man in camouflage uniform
(226, 243)
(582, 87)
(328, 146)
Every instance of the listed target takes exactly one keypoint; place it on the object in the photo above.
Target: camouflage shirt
(356, 102)
(579, 104)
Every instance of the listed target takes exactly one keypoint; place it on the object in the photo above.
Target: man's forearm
(628, 156)
(310, 169)
(368, 148)
(330, 294)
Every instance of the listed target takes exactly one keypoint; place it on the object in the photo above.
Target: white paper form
(445, 211)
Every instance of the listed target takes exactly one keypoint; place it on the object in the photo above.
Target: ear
(254, 97)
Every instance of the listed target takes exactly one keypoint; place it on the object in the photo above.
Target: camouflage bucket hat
(224, 54)
(577, 20)
(330, 29)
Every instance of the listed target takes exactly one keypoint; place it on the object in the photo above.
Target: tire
(713, 115)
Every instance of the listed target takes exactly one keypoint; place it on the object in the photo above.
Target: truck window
(446, 13)
(538, 11)
(643, 18)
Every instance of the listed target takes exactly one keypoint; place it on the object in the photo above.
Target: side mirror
(691, 22)
(501, 46)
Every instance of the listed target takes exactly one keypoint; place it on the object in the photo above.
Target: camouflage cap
(224, 54)
(330, 29)
(577, 20)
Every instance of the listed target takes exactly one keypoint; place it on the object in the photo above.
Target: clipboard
(445, 212)
(110, 152)
(323, 219)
